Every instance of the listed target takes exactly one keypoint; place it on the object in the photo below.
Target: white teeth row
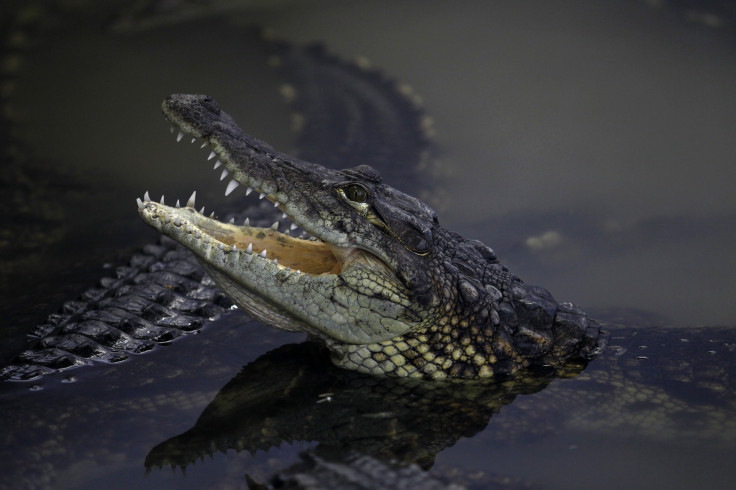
(191, 202)
(231, 186)
(221, 246)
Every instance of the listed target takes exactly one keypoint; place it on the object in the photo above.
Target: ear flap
(411, 232)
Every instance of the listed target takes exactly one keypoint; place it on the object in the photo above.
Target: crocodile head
(386, 288)
(360, 281)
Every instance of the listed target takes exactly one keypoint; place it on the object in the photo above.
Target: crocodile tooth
(298, 271)
(212, 214)
(177, 222)
(219, 246)
(224, 174)
(275, 226)
(263, 254)
(193, 140)
(231, 186)
(146, 196)
(275, 261)
(204, 144)
(139, 202)
(284, 215)
(235, 248)
(179, 136)
(232, 221)
(218, 163)
(250, 248)
(201, 211)
(192, 199)
(177, 204)
(287, 232)
(276, 204)
(292, 226)
(248, 191)
(212, 155)
(171, 129)
(246, 222)
(162, 199)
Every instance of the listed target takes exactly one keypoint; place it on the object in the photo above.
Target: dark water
(589, 143)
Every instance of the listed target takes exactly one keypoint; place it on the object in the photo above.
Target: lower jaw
(257, 306)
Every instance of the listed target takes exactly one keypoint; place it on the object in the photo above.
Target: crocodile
(384, 285)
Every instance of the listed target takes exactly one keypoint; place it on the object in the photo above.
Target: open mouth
(305, 254)
(328, 282)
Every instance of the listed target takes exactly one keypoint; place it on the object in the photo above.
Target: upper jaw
(303, 191)
(252, 164)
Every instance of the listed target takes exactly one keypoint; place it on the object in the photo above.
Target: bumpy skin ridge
(160, 295)
(491, 323)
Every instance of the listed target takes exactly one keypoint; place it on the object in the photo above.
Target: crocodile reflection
(660, 384)
(294, 393)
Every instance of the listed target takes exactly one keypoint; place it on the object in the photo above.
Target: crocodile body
(389, 290)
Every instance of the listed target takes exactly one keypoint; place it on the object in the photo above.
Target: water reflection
(648, 385)
(294, 393)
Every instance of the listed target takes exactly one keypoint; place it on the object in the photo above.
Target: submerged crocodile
(385, 287)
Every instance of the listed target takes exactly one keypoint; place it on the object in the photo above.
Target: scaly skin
(385, 287)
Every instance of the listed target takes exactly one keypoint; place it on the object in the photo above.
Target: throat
(313, 257)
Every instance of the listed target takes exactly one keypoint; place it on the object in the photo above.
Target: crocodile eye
(356, 193)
